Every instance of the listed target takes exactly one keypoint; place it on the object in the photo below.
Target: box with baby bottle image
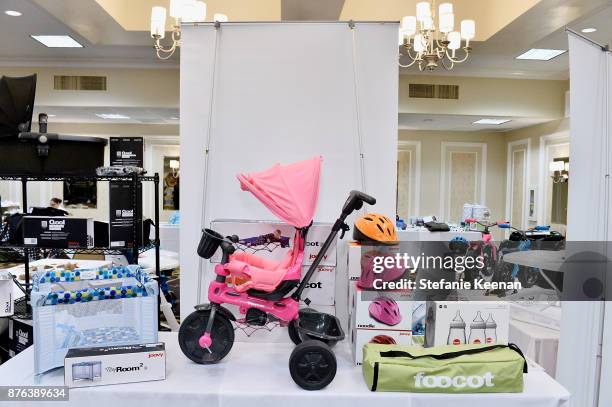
(459, 323)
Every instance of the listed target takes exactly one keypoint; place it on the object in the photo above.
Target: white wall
(431, 177)
(275, 101)
(540, 137)
(488, 97)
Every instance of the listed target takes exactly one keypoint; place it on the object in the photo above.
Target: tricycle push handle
(355, 202)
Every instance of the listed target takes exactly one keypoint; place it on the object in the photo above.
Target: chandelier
(183, 11)
(430, 43)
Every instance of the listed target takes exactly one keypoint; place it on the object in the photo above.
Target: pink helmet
(385, 310)
(366, 280)
(383, 339)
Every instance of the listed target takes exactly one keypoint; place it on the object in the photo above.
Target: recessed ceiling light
(492, 121)
(57, 41)
(12, 13)
(51, 115)
(174, 118)
(540, 54)
(589, 30)
(113, 116)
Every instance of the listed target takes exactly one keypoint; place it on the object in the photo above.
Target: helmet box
(361, 337)
(379, 316)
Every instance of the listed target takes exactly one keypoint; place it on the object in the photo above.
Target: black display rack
(136, 181)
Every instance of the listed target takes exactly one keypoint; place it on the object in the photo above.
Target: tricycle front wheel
(312, 365)
(222, 336)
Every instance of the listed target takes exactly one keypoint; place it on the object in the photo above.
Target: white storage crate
(90, 308)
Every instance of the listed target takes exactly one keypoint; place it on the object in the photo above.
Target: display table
(538, 343)
(257, 375)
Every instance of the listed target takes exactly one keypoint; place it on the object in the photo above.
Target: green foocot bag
(444, 369)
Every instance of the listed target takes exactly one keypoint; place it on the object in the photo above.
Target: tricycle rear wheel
(312, 365)
(222, 335)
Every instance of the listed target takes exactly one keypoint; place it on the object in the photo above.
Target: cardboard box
(122, 213)
(20, 335)
(359, 304)
(84, 367)
(359, 337)
(451, 322)
(356, 251)
(58, 232)
(321, 289)
(273, 240)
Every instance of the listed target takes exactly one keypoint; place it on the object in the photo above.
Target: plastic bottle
(491, 329)
(477, 330)
(456, 331)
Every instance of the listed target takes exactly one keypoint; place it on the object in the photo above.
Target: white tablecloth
(538, 343)
(257, 375)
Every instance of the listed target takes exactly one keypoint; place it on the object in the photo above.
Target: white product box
(451, 322)
(273, 240)
(355, 252)
(321, 289)
(354, 261)
(6, 293)
(359, 337)
(84, 367)
(406, 237)
(272, 332)
(359, 308)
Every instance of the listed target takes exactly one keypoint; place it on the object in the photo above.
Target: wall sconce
(560, 170)
(175, 165)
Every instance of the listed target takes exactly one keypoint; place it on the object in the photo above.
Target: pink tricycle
(265, 290)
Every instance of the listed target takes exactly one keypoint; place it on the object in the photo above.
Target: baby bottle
(456, 332)
(477, 330)
(491, 329)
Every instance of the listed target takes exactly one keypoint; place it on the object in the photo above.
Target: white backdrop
(588, 219)
(282, 92)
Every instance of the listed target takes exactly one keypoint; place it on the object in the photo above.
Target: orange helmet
(374, 227)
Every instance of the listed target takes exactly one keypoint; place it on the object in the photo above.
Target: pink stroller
(266, 290)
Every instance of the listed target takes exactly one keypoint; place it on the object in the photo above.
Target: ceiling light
(113, 116)
(589, 30)
(51, 115)
(57, 41)
(12, 13)
(430, 41)
(174, 118)
(492, 121)
(541, 54)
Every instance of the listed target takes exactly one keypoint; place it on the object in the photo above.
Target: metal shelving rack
(136, 181)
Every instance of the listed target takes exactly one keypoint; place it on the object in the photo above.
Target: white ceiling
(18, 49)
(444, 122)
(106, 43)
(543, 26)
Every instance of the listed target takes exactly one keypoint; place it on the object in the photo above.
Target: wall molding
(416, 186)
(527, 175)
(545, 142)
(444, 149)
